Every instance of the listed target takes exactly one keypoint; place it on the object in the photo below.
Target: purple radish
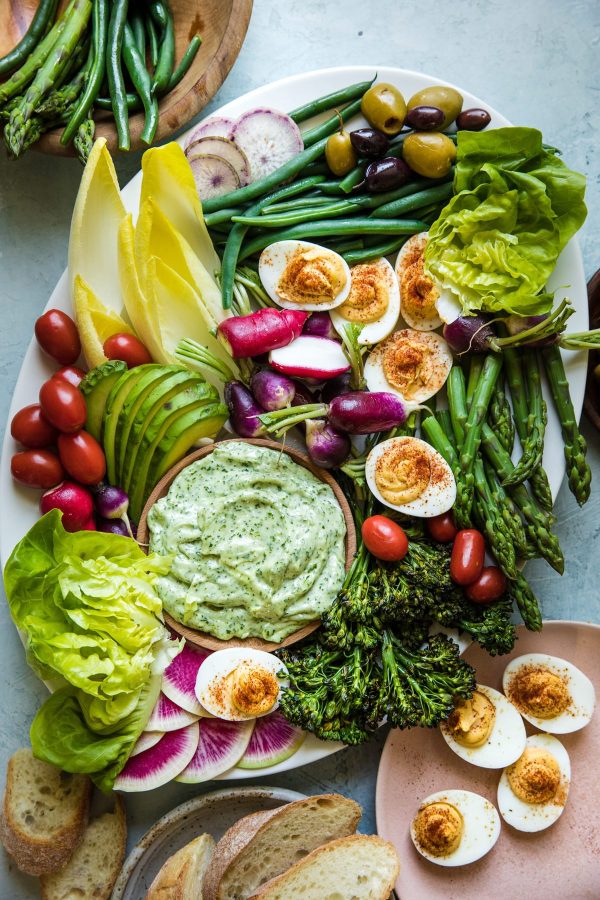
(216, 126)
(303, 394)
(269, 138)
(319, 324)
(273, 740)
(220, 746)
(113, 526)
(224, 149)
(357, 412)
(272, 390)
(168, 716)
(244, 411)
(160, 764)
(335, 387)
(470, 334)
(179, 679)
(146, 740)
(310, 357)
(326, 447)
(213, 176)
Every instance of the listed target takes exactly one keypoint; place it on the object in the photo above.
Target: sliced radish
(216, 126)
(146, 740)
(213, 176)
(310, 357)
(224, 148)
(273, 740)
(161, 763)
(168, 716)
(269, 138)
(179, 680)
(221, 744)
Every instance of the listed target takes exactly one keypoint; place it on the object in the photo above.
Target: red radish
(310, 357)
(269, 138)
(224, 148)
(326, 447)
(272, 390)
(220, 745)
(244, 411)
(146, 740)
(168, 716)
(261, 331)
(160, 764)
(179, 679)
(216, 126)
(213, 176)
(30, 427)
(37, 468)
(319, 324)
(73, 500)
(273, 740)
(72, 374)
(90, 525)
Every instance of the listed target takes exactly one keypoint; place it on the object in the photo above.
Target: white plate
(20, 505)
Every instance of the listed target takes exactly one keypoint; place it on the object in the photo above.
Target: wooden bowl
(591, 402)
(222, 24)
(200, 638)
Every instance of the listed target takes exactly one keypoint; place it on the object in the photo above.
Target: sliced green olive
(384, 107)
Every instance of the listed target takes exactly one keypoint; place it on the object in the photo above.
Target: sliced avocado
(95, 387)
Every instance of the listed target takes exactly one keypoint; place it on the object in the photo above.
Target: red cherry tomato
(57, 334)
(71, 374)
(468, 554)
(127, 348)
(63, 405)
(490, 585)
(37, 468)
(442, 528)
(384, 538)
(82, 456)
(29, 427)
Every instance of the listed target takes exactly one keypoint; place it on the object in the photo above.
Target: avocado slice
(95, 387)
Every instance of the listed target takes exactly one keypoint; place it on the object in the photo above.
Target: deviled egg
(240, 683)
(407, 474)
(373, 302)
(533, 791)
(454, 828)
(411, 364)
(302, 275)
(485, 730)
(424, 305)
(549, 692)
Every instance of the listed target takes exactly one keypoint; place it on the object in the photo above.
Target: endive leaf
(138, 308)
(95, 321)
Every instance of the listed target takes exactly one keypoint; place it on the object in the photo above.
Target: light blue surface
(533, 60)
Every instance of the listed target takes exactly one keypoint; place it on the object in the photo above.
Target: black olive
(473, 119)
(425, 118)
(386, 174)
(369, 142)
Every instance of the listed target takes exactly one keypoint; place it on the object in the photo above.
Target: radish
(310, 357)
(357, 412)
(326, 447)
(272, 390)
(152, 768)
(216, 126)
(319, 324)
(90, 525)
(335, 387)
(213, 176)
(73, 500)
(273, 740)
(146, 740)
(225, 149)
(261, 331)
(112, 503)
(220, 745)
(168, 716)
(179, 679)
(269, 138)
(113, 526)
(244, 411)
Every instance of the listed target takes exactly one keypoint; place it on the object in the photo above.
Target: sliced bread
(263, 845)
(182, 875)
(44, 814)
(359, 867)
(91, 872)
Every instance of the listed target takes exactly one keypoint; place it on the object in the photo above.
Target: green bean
(331, 188)
(159, 13)
(142, 82)
(139, 33)
(96, 75)
(355, 177)
(44, 15)
(355, 257)
(21, 78)
(116, 82)
(300, 203)
(220, 217)
(166, 57)
(152, 40)
(397, 207)
(330, 125)
(317, 168)
(186, 60)
(329, 101)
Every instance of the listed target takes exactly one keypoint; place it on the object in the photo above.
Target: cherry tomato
(63, 405)
(384, 538)
(71, 374)
(30, 428)
(127, 348)
(37, 468)
(490, 585)
(57, 334)
(468, 554)
(442, 528)
(82, 456)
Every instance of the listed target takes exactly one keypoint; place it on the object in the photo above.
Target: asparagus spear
(60, 100)
(500, 417)
(509, 513)
(490, 521)
(457, 402)
(84, 138)
(527, 603)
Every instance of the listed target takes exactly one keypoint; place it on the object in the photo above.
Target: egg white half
(481, 827)
(214, 671)
(373, 332)
(271, 266)
(438, 496)
(506, 740)
(536, 816)
(438, 362)
(583, 696)
(417, 319)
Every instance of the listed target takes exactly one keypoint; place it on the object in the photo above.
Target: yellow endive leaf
(95, 321)
(138, 308)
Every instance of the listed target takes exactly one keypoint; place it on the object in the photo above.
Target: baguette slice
(265, 844)
(44, 814)
(358, 867)
(91, 872)
(182, 875)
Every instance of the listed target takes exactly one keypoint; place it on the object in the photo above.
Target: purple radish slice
(220, 746)
(216, 126)
(225, 149)
(310, 357)
(273, 740)
(168, 716)
(179, 680)
(269, 138)
(161, 763)
(213, 176)
(319, 324)
(146, 740)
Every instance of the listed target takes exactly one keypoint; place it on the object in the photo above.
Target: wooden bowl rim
(201, 638)
(591, 400)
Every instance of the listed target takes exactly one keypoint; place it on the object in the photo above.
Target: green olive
(384, 107)
(339, 153)
(429, 153)
(445, 98)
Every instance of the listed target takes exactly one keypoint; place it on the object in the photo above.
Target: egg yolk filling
(312, 275)
(254, 690)
(471, 721)
(369, 296)
(540, 692)
(402, 473)
(535, 776)
(439, 828)
(417, 290)
(408, 365)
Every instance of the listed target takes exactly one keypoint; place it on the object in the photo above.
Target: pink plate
(561, 862)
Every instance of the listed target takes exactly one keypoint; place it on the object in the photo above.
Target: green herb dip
(257, 543)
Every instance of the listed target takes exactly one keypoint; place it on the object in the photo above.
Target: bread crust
(171, 882)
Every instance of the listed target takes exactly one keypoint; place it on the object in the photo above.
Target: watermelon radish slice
(161, 763)
(268, 137)
(216, 126)
(146, 740)
(273, 740)
(168, 716)
(227, 150)
(213, 175)
(179, 680)
(220, 746)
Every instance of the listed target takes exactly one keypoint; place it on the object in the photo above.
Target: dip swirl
(257, 543)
